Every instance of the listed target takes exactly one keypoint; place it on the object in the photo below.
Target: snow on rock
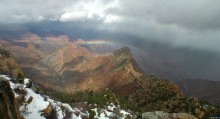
(38, 103)
(33, 109)
(110, 112)
(35, 106)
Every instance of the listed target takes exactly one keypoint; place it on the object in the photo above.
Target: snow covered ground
(109, 113)
(33, 109)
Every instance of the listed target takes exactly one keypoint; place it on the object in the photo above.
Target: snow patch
(39, 102)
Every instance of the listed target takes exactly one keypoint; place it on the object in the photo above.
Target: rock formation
(8, 104)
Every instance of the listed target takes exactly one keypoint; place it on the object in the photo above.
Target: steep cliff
(8, 104)
(81, 70)
(8, 65)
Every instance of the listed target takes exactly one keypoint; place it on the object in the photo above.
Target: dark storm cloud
(200, 14)
(181, 22)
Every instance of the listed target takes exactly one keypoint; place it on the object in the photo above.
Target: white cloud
(20, 18)
(112, 18)
(40, 18)
(73, 16)
(90, 10)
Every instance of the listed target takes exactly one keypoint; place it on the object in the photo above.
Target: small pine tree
(128, 116)
(20, 78)
(91, 114)
(1, 71)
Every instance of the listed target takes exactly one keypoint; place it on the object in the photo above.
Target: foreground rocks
(164, 115)
(8, 104)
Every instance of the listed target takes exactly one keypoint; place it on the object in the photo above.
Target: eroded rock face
(8, 64)
(8, 104)
(81, 69)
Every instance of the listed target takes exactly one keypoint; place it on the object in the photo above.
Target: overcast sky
(193, 23)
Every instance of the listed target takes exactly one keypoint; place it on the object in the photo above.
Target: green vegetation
(101, 98)
(151, 94)
(4, 53)
(1, 71)
(91, 114)
(20, 78)
(128, 117)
